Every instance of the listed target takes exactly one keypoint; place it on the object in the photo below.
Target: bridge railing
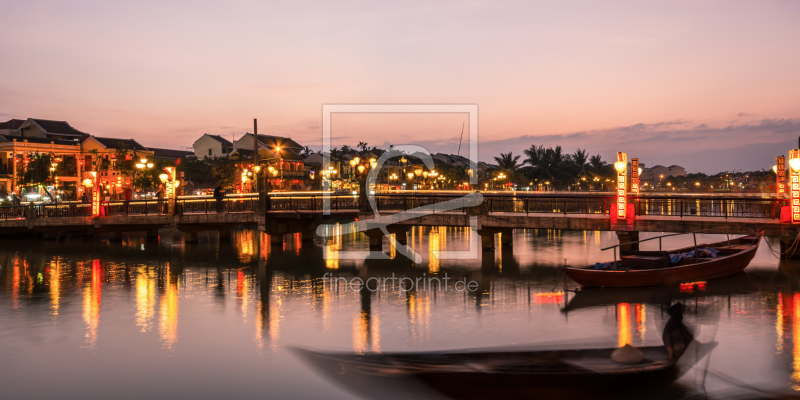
(136, 207)
(13, 212)
(684, 206)
(710, 207)
(60, 210)
(211, 205)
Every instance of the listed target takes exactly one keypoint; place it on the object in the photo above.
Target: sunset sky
(710, 85)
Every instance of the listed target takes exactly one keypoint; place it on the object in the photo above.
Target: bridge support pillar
(224, 234)
(628, 236)
(152, 234)
(190, 237)
(487, 240)
(375, 239)
(401, 237)
(787, 251)
(507, 238)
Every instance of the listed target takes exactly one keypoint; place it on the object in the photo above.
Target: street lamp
(794, 163)
(280, 164)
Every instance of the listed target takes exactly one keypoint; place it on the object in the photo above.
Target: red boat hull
(705, 269)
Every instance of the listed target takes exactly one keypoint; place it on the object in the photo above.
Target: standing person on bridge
(219, 194)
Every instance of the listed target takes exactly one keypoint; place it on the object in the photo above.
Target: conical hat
(627, 355)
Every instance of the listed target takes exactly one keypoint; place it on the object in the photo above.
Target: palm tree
(535, 155)
(580, 158)
(600, 169)
(337, 155)
(509, 165)
(596, 162)
(307, 151)
(362, 146)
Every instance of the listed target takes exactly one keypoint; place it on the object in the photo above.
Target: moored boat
(515, 373)
(651, 268)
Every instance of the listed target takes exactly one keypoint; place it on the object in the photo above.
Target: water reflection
(145, 298)
(245, 295)
(168, 313)
(92, 296)
(54, 280)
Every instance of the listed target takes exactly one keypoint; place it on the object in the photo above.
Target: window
(209, 151)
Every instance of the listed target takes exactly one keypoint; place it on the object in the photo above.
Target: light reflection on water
(212, 319)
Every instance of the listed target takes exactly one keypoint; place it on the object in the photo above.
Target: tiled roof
(275, 141)
(221, 140)
(169, 153)
(12, 124)
(11, 138)
(112, 143)
(57, 127)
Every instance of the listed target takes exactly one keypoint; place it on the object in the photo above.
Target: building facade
(212, 146)
(653, 176)
(75, 154)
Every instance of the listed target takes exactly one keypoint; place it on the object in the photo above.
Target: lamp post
(622, 202)
(280, 165)
(363, 167)
(501, 176)
(171, 189)
(143, 165)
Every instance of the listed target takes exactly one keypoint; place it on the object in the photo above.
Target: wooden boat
(650, 268)
(504, 372)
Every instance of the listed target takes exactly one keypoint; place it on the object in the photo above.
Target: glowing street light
(794, 162)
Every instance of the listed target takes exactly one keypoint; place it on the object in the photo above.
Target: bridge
(498, 213)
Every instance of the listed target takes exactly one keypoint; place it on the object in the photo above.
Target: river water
(95, 319)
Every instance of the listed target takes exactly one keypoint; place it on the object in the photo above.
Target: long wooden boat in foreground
(512, 372)
(650, 268)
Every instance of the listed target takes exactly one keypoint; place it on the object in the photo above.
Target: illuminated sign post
(622, 199)
(170, 188)
(780, 172)
(95, 194)
(635, 176)
(794, 166)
